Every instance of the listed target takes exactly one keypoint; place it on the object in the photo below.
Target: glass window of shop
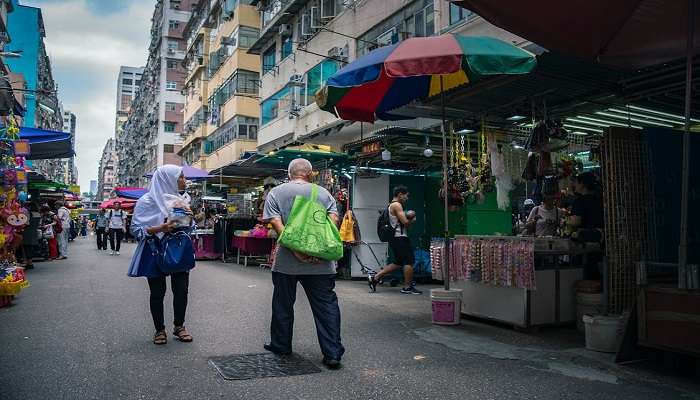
(270, 108)
(269, 60)
(238, 127)
(458, 14)
(415, 20)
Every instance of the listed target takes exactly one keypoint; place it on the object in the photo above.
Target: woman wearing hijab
(149, 221)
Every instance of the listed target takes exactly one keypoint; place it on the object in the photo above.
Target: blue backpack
(177, 253)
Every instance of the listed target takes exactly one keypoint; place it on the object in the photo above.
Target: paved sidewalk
(83, 331)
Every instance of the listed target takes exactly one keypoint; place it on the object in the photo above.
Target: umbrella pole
(683, 245)
(444, 189)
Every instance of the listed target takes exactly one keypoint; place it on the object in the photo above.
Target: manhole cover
(262, 365)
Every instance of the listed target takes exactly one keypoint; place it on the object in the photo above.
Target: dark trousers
(117, 234)
(101, 238)
(180, 283)
(324, 305)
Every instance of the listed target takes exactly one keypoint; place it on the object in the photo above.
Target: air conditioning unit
(338, 53)
(285, 30)
(228, 15)
(171, 51)
(296, 80)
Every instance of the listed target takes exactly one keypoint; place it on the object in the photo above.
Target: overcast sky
(87, 41)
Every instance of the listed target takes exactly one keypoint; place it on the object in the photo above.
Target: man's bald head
(300, 168)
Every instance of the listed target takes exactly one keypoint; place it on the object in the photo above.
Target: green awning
(280, 159)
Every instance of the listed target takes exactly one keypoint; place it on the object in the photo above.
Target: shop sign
(74, 189)
(372, 147)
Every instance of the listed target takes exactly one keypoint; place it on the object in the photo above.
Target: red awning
(125, 203)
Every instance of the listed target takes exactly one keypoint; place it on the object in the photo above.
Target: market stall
(14, 217)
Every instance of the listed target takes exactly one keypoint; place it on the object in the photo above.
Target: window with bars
(238, 127)
(269, 59)
(168, 148)
(170, 85)
(241, 82)
(169, 126)
(170, 106)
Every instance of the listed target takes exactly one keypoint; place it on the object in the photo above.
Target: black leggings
(119, 235)
(180, 282)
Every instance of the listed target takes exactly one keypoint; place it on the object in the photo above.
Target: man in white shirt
(117, 227)
(64, 216)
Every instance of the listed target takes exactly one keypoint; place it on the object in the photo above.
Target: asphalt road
(83, 331)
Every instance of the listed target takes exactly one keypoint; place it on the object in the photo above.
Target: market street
(83, 331)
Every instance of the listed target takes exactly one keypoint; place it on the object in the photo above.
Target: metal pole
(683, 245)
(444, 189)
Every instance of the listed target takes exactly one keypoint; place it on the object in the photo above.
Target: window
(170, 85)
(172, 24)
(314, 79)
(238, 127)
(271, 106)
(247, 36)
(172, 64)
(269, 61)
(241, 82)
(170, 106)
(458, 13)
(137, 83)
(175, 4)
(172, 44)
(286, 47)
(415, 19)
(169, 126)
(425, 22)
(168, 148)
(126, 81)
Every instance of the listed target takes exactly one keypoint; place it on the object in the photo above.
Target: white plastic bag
(178, 210)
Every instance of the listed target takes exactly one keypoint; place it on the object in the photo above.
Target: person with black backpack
(116, 226)
(392, 227)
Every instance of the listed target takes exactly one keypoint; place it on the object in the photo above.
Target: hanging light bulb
(428, 152)
(386, 155)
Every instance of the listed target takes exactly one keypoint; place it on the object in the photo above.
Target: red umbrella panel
(125, 203)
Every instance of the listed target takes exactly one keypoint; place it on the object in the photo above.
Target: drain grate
(262, 365)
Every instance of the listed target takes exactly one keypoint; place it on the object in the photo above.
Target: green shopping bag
(310, 231)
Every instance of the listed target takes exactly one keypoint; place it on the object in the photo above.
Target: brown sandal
(181, 333)
(160, 338)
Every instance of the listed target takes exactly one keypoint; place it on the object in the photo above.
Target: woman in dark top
(30, 236)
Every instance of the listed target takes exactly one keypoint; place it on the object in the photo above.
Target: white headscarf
(151, 209)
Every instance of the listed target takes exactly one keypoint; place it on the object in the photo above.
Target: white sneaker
(117, 253)
(111, 253)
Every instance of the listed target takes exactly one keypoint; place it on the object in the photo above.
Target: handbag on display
(347, 228)
(176, 253)
(309, 230)
(530, 171)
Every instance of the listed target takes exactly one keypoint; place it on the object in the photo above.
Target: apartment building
(222, 84)
(26, 28)
(128, 82)
(107, 172)
(152, 133)
(303, 42)
(70, 171)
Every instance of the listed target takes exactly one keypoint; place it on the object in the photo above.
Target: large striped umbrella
(389, 77)
(372, 86)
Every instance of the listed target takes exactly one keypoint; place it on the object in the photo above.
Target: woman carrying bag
(150, 226)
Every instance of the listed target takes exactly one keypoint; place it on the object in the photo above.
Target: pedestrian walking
(49, 223)
(317, 277)
(399, 243)
(101, 230)
(117, 226)
(83, 226)
(63, 234)
(149, 223)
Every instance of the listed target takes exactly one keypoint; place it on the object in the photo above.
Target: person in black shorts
(400, 244)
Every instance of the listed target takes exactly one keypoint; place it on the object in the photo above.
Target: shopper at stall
(317, 277)
(101, 229)
(150, 219)
(400, 244)
(586, 217)
(117, 226)
(545, 219)
(63, 234)
(49, 221)
(30, 235)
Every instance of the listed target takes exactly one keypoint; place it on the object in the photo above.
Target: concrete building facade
(107, 171)
(222, 84)
(70, 171)
(26, 28)
(151, 135)
(303, 42)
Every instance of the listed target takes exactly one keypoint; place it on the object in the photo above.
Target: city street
(83, 331)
